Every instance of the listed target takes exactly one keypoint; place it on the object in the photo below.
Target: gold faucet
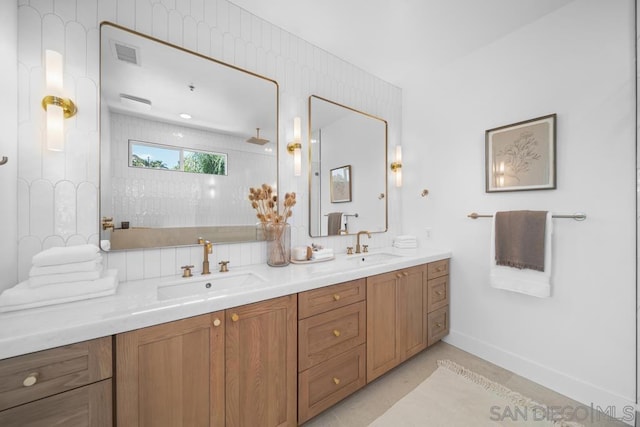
(358, 239)
(208, 249)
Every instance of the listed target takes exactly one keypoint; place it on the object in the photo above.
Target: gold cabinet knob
(405, 274)
(439, 292)
(336, 332)
(31, 379)
(398, 275)
(336, 381)
(438, 325)
(216, 322)
(336, 297)
(235, 317)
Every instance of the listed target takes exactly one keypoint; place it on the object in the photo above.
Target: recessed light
(185, 115)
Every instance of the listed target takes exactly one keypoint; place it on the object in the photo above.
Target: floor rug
(455, 396)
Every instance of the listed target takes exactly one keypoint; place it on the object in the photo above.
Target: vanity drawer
(438, 325)
(90, 406)
(437, 269)
(324, 299)
(328, 334)
(36, 375)
(438, 293)
(326, 384)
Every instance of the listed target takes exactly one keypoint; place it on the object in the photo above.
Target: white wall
(58, 192)
(8, 146)
(577, 62)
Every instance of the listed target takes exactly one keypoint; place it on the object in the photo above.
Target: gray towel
(334, 223)
(520, 239)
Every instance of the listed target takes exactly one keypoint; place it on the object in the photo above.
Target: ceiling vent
(135, 102)
(126, 53)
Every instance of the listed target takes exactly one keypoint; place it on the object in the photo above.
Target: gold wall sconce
(396, 166)
(56, 106)
(295, 147)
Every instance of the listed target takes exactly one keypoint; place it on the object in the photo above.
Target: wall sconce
(57, 107)
(396, 166)
(295, 147)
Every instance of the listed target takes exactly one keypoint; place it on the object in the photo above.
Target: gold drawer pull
(439, 292)
(336, 381)
(336, 332)
(216, 322)
(30, 380)
(235, 317)
(438, 325)
(405, 274)
(399, 275)
(336, 297)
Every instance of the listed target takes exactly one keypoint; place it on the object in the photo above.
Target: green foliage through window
(156, 156)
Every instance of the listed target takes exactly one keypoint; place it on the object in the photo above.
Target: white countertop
(136, 303)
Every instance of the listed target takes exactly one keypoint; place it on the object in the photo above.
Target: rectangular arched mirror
(348, 174)
(183, 137)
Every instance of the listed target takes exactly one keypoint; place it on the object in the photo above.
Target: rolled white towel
(22, 296)
(79, 276)
(65, 268)
(65, 255)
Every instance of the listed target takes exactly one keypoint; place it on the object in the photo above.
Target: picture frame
(521, 156)
(340, 184)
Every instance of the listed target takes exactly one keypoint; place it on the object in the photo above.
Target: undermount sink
(373, 258)
(207, 285)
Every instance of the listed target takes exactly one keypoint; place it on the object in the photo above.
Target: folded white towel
(525, 281)
(65, 255)
(322, 253)
(73, 267)
(22, 296)
(405, 238)
(405, 245)
(78, 276)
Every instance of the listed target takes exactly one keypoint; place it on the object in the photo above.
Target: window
(155, 156)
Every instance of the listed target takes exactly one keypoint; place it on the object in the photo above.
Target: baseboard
(588, 394)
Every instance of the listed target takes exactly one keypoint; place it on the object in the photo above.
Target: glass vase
(278, 238)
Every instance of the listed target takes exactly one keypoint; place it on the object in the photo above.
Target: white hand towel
(65, 255)
(22, 296)
(525, 281)
(322, 254)
(405, 238)
(79, 276)
(73, 267)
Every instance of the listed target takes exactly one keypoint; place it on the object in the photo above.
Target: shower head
(257, 140)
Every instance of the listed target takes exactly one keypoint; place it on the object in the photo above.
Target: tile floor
(366, 405)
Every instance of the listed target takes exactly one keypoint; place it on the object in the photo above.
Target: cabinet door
(261, 373)
(412, 290)
(172, 374)
(383, 331)
(88, 406)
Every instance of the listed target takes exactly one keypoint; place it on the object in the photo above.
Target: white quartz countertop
(139, 303)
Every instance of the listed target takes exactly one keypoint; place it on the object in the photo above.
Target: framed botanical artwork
(521, 156)
(340, 184)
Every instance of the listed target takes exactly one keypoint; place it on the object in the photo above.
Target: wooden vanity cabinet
(235, 367)
(69, 385)
(331, 346)
(396, 318)
(438, 301)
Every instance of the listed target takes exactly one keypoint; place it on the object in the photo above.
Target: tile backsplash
(58, 192)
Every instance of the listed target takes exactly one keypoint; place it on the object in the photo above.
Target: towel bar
(578, 216)
(355, 214)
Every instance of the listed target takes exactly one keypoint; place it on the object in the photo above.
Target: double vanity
(253, 346)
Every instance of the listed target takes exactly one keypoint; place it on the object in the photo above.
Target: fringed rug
(455, 396)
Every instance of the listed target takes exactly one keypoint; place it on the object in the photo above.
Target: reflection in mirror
(348, 174)
(183, 138)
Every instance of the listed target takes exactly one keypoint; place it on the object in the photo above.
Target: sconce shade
(396, 166)
(295, 147)
(57, 108)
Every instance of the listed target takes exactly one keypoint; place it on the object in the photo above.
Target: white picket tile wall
(58, 192)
